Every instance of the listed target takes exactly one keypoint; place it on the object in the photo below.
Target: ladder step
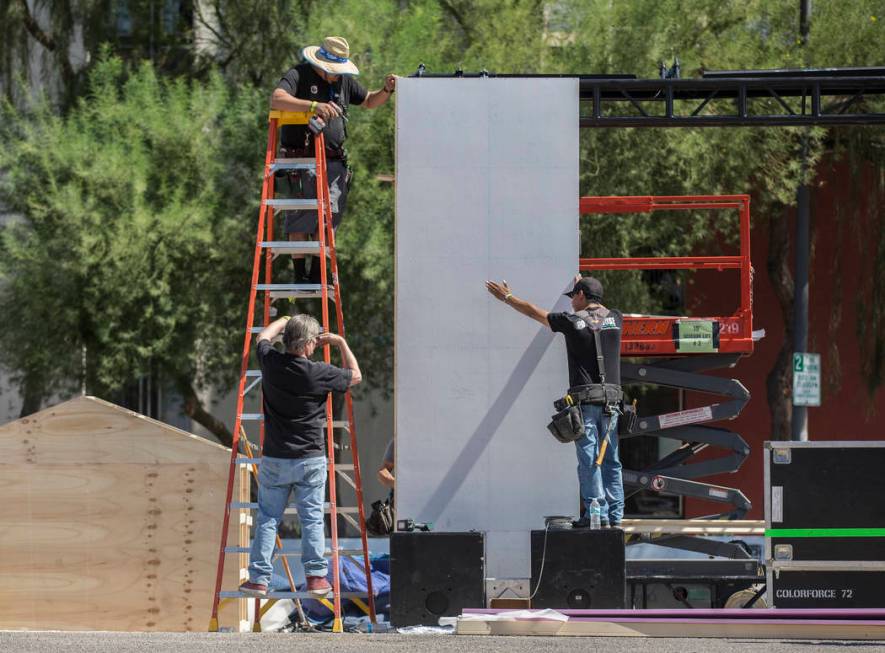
(338, 447)
(293, 164)
(257, 417)
(292, 553)
(253, 374)
(245, 460)
(294, 290)
(292, 595)
(294, 246)
(292, 204)
(291, 510)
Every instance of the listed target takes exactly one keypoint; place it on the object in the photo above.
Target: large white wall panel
(486, 188)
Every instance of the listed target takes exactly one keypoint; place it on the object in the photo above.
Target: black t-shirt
(295, 390)
(304, 83)
(581, 345)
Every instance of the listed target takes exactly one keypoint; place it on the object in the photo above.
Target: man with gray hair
(295, 389)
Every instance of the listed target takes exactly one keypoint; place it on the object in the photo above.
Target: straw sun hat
(333, 56)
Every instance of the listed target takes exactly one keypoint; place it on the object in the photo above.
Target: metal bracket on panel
(781, 456)
(783, 551)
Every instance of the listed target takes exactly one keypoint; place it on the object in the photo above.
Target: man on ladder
(323, 83)
(294, 390)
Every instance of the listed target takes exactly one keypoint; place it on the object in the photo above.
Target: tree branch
(779, 384)
(32, 395)
(194, 409)
(458, 15)
(46, 40)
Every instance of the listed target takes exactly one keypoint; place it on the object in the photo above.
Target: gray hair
(299, 331)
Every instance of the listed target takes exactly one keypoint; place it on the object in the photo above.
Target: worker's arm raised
(376, 98)
(502, 292)
(349, 361)
(273, 329)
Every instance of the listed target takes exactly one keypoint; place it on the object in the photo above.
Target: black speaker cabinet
(435, 575)
(582, 568)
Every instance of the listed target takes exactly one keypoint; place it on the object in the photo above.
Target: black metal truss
(732, 101)
(828, 96)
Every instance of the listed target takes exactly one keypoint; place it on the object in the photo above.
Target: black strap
(600, 359)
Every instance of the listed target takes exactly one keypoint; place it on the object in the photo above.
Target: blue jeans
(277, 479)
(605, 484)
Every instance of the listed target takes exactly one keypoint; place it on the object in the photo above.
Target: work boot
(318, 586)
(315, 276)
(299, 266)
(254, 589)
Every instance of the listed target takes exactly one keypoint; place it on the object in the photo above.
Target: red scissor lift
(679, 350)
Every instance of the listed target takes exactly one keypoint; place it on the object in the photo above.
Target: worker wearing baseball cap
(589, 323)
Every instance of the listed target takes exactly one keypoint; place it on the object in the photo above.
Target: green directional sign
(806, 379)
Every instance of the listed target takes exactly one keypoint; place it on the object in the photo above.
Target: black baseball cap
(591, 287)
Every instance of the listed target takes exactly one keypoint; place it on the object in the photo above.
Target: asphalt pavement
(103, 642)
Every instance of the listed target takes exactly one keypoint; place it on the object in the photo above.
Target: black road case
(825, 524)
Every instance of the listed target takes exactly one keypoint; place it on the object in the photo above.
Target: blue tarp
(353, 579)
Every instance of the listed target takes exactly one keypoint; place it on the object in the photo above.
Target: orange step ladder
(242, 462)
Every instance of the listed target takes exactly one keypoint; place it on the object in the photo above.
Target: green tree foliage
(71, 33)
(254, 45)
(136, 242)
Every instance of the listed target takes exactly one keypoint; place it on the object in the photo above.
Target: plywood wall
(486, 188)
(108, 521)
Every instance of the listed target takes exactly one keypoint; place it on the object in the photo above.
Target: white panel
(487, 188)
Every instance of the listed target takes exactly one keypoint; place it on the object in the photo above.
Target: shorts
(288, 186)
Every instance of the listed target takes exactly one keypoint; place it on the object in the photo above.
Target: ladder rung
(259, 329)
(294, 246)
(293, 164)
(257, 450)
(245, 460)
(251, 386)
(294, 290)
(291, 510)
(253, 373)
(292, 204)
(291, 595)
(253, 417)
(292, 553)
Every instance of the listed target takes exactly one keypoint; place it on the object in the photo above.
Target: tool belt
(567, 425)
(594, 393)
